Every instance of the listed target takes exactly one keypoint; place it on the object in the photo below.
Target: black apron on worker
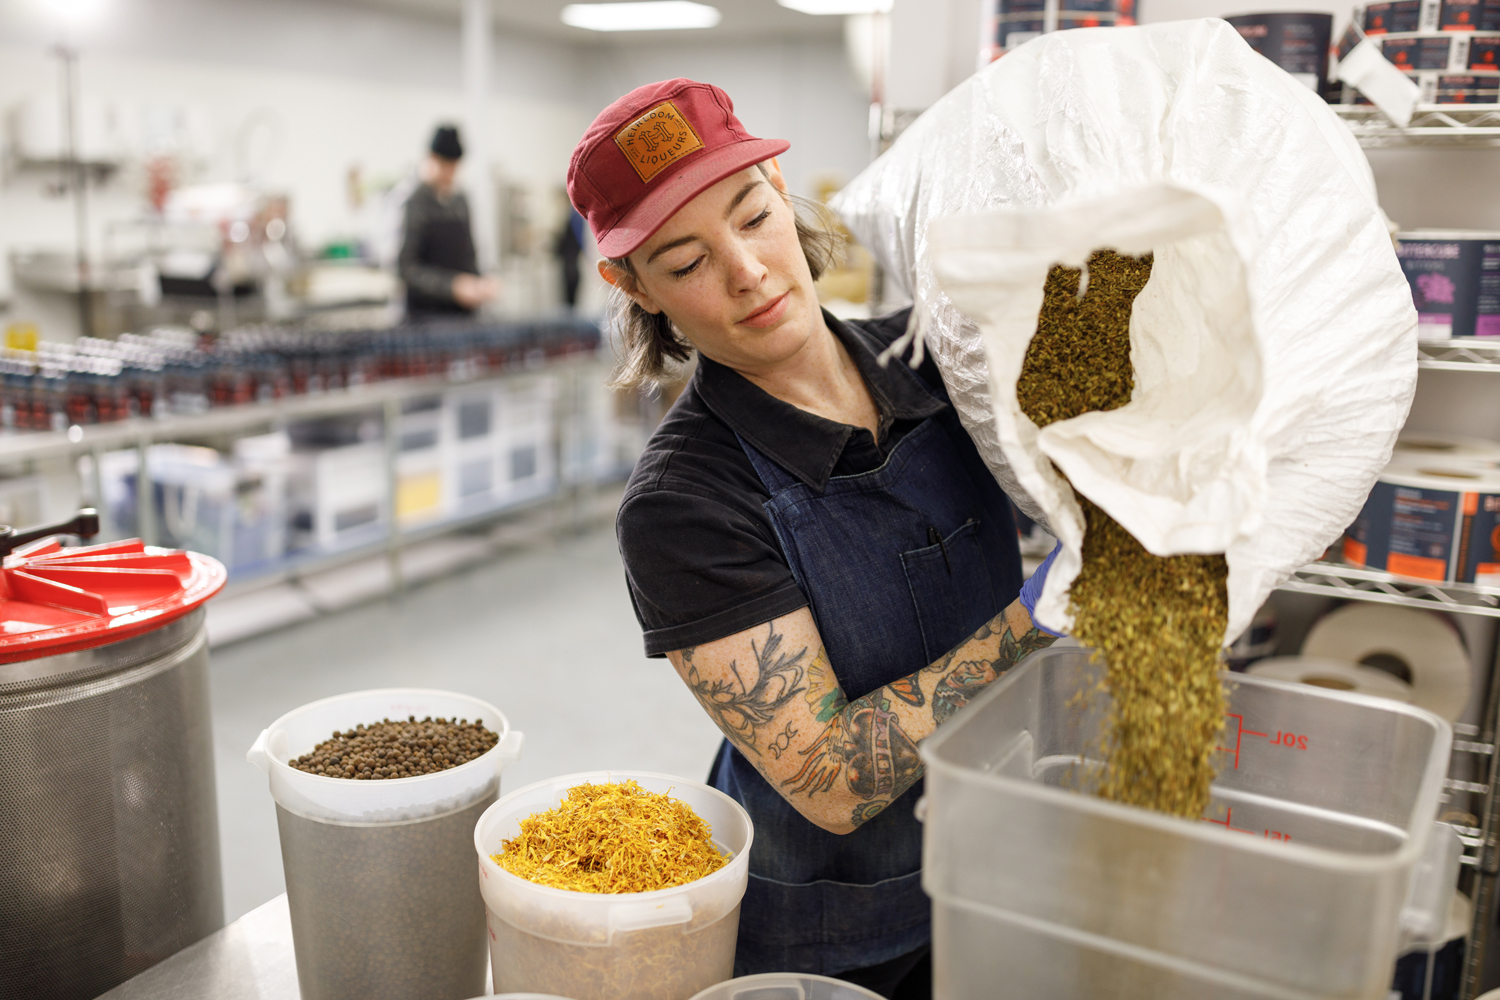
(449, 244)
(899, 565)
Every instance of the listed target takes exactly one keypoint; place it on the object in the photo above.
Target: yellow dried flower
(610, 838)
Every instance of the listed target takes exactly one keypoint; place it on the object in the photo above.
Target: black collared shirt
(701, 557)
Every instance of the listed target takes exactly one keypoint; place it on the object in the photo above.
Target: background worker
(810, 537)
(568, 247)
(438, 263)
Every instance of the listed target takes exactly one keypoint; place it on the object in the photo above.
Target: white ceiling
(742, 19)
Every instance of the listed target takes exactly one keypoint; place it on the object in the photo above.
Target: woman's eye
(762, 217)
(683, 272)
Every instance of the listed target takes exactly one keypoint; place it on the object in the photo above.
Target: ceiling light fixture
(74, 12)
(838, 6)
(656, 15)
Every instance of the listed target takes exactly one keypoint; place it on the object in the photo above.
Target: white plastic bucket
(379, 874)
(786, 986)
(670, 943)
(342, 800)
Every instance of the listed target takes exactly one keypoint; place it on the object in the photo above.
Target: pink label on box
(1434, 326)
(1487, 326)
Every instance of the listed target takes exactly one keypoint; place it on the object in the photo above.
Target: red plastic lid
(56, 600)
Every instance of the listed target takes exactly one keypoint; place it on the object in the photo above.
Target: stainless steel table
(251, 959)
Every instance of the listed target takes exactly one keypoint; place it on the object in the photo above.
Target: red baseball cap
(653, 151)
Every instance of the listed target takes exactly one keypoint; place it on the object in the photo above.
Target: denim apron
(899, 565)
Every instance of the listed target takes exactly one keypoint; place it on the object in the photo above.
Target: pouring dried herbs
(1157, 621)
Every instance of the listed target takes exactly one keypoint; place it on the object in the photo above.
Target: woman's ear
(773, 174)
(627, 284)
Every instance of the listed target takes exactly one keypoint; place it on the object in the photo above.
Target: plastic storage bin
(663, 945)
(379, 874)
(786, 986)
(1293, 887)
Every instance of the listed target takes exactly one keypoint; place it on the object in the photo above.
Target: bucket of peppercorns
(377, 794)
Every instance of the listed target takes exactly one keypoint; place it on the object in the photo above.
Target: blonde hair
(652, 351)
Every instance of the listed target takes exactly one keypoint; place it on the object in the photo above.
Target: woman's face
(729, 271)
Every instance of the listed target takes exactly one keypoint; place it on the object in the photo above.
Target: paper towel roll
(1467, 475)
(1338, 675)
(1421, 643)
(1415, 448)
(1460, 917)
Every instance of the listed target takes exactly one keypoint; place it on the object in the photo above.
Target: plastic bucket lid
(60, 600)
(785, 986)
(341, 800)
(594, 918)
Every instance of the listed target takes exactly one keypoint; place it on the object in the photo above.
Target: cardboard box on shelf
(231, 507)
(422, 440)
(337, 486)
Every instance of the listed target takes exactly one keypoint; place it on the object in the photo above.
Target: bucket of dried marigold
(613, 885)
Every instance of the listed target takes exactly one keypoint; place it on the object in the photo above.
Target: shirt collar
(804, 444)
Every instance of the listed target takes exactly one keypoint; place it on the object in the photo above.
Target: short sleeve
(699, 569)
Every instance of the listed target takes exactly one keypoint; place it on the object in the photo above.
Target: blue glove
(1031, 590)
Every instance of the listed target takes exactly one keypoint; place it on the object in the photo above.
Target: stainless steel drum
(109, 850)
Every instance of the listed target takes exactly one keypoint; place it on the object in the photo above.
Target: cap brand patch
(657, 138)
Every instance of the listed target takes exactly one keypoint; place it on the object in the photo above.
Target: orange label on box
(1471, 503)
(1355, 553)
(1419, 567)
(657, 139)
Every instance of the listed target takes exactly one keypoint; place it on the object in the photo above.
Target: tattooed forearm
(740, 708)
(783, 741)
(961, 683)
(840, 763)
(864, 746)
(824, 695)
(909, 690)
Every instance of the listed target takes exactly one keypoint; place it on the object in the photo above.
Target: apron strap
(772, 476)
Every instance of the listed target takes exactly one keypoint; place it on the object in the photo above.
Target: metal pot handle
(257, 753)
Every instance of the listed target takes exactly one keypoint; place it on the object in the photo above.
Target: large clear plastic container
(380, 874)
(1293, 887)
(662, 945)
(786, 986)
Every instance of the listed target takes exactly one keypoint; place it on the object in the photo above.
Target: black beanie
(445, 143)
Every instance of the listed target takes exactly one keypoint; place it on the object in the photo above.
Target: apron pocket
(828, 927)
(828, 912)
(950, 588)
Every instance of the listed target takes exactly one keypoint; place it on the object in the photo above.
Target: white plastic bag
(1274, 346)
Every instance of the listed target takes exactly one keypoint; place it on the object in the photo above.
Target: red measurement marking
(1228, 825)
(1291, 741)
(1240, 732)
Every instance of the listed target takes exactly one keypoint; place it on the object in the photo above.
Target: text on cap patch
(657, 138)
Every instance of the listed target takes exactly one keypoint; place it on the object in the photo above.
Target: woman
(810, 538)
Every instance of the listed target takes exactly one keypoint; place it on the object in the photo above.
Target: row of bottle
(170, 372)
